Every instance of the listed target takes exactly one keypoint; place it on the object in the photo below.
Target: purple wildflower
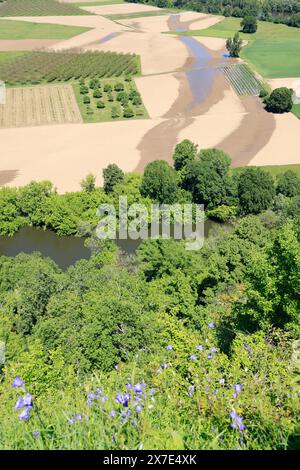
(19, 404)
(152, 391)
(138, 388)
(236, 421)
(221, 381)
(165, 366)
(139, 408)
(123, 399)
(18, 382)
(159, 371)
(209, 356)
(35, 434)
(200, 347)
(211, 325)
(24, 415)
(191, 390)
(112, 413)
(27, 399)
(193, 357)
(213, 350)
(169, 347)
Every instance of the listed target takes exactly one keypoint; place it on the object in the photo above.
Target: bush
(83, 90)
(97, 93)
(110, 97)
(280, 100)
(86, 99)
(107, 88)
(249, 24)
(115, 113)
(119, 86)
(128, 112)
(100, 104)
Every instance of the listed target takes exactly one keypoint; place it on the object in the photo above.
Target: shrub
(280, 100)
(128, 112)
(119, 86)
(249, 24)
(107, 88)
(97, 93)
(86, 99)
(83, 90)
(100, 104)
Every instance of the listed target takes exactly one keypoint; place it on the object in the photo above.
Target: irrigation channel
(65, 251)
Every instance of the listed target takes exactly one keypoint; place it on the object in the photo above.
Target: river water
(65, 251)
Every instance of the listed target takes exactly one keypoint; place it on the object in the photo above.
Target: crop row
(242, 79)
(39, 8)
(40, 66)
(32, 106)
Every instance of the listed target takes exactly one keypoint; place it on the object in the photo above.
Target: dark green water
(65, 251)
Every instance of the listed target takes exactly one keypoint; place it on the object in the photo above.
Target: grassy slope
(274, 50)
(10, 56)
(126, 16)
(275, 169)
(39, 8)
(99, 3)
(10, 29)
(296, 110)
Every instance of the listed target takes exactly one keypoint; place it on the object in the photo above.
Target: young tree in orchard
(159, 182)
(255, 191)
(234, 45)
(112, 175)
(185, 152)
(249, 24)
(280, 100)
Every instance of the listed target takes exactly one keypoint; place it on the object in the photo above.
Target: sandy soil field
(119, 9)
(65, 154)
(283, 146)
(284, 82)
(26, 44)
(158, 92)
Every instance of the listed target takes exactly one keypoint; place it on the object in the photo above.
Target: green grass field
(274, 50)
(39, 8)
(90, 112)
(275, 170)
(10, 29)
(10, 56)
(296, 110)
(127, 16)
(99, 3)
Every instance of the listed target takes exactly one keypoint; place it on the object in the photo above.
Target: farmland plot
(40, 105)
(242, 79)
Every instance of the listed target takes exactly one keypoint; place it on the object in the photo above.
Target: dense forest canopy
(171, 349)
(278, 11)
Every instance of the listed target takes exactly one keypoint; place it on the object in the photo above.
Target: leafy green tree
(89, 183)
(256, 191)
(112, 175)
(288, 184)
(33, 201)
(159, 182)
(280, 101)
(207, 178)
(184, 152)
(234, 45)
(249, 24)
